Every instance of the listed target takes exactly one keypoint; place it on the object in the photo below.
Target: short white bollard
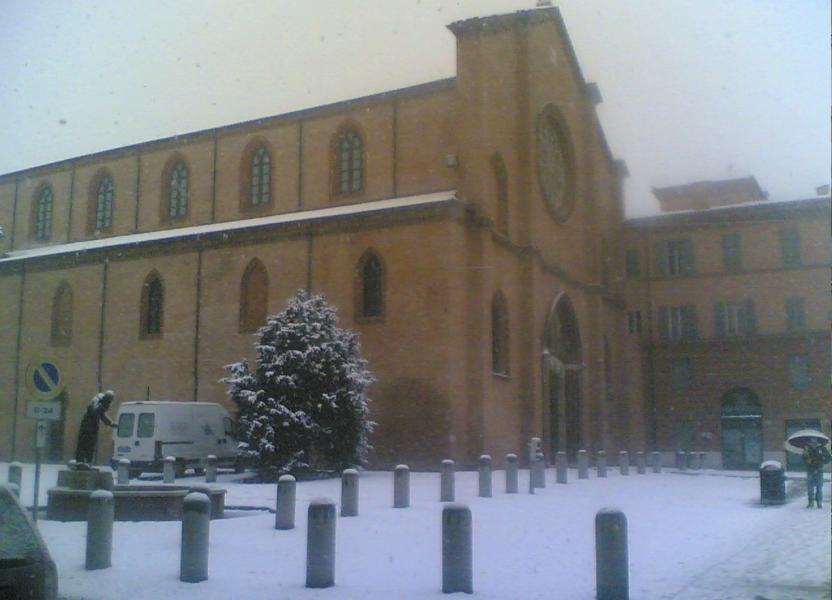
(511, 474)
(100, 512)
(583, 465)
(562, 467)
(320, 544)
(657, 462)
(168, 470)
(611, 567)
(641, 463)
(446, 484)
(401, 486)
(196, 524)
(210, 469)
(539, 470)
(601, 463)
(349, 493)
(624, 462)
(484, 476)
(123, 474)
(16, 474)
(457, 557)
(284, 517)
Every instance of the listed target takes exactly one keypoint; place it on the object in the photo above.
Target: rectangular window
(147, 423)
(799, 370)
(680, 373)
(735, 319)
(675, 258)
(677, 322)
(632, 264)
(795, 314)
(125, 425)
(790, 247)
(731, 257)
(634, 321)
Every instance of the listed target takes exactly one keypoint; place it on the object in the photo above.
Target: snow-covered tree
(303, 404)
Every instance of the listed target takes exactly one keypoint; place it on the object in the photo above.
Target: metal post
(611, 568)
(196, 523)
(511, 474)
(100, 530)
(285, 509)
(349, 493)
(485, 476)
(457, 560)
(446, 485)
(401, 486)
(320, 544)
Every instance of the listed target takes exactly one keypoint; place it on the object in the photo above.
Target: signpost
(43, 378)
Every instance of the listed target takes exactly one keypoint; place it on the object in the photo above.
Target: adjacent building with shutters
(728, 295)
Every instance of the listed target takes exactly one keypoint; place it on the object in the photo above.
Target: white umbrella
(799, 439)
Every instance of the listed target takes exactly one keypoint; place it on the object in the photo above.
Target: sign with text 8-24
(50, 411)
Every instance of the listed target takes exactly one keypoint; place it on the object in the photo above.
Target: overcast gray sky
(704, 89)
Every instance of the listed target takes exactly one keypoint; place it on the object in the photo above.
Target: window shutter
(688, 262)
(689, 322)
(663, 330)
(660, 253)
(719, 319)
(750, 318)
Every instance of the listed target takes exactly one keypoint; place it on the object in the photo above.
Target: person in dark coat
(88, 433)
(815, 455)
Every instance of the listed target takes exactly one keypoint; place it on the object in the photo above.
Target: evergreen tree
(303, 404)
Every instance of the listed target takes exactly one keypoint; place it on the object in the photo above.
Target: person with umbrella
(815, 455)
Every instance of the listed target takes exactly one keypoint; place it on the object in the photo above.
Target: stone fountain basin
(160, 502)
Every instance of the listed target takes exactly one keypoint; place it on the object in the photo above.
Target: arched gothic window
(178, 191)
(501, 181)
(104, 193)
(260, 182)
(62, 316)
(152, 306)
(254, 296)
(370, 286)
(499, 335)
(349, 162)
(44, 201)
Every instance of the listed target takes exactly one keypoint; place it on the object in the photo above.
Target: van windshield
(125, 424)
(147, 422)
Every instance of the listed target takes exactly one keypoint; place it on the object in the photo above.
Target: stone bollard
(562, 467)
(457, 559)
(681, 461)
(657, 462)
(601, 463)
(100, 512)
(401, 486)
(123, 474)
(284, 517)
(703, 460)
(641, 463)
(511, 474)
(168, 471)
(485, 476)
(210, 469)
(196, 524)
(539, 470)
(320, 544)
(15, 489)
(446, 491)
(349, 493)
(16, 474)
(583, 465)
(611, 569)
(624, 462)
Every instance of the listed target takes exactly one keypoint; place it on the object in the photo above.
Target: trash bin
(772, 483)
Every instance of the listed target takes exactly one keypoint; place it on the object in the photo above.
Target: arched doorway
(742, 434)
(562, 367)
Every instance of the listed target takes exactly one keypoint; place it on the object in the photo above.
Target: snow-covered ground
(696, 535)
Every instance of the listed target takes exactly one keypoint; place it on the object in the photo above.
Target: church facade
(468, 229)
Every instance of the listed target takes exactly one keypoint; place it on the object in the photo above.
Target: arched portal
(562, 368)
(742, 434)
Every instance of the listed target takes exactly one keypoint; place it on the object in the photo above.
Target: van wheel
(238, 467)
(134, 473)
(179, 467)
(199, 471)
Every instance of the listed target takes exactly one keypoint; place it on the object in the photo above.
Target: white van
(147, 432)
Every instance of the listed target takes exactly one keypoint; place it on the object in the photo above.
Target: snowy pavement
(699, 535)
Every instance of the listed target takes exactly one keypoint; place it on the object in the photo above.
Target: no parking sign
(43, 378)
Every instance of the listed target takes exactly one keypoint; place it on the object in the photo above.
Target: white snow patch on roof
(333, 212)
